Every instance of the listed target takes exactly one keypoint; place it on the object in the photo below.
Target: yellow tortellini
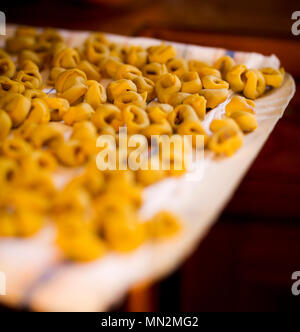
(224, 65)
(227, 137)
(71, 85)
(145, 85)
(136, 56)
(80, 112)
(191, 82)
(166, 86)
(7, 67)
(96, 94)
(241, 110)
(177, 67)
(107, 119)
(91, 71)
(273, 77)
(49, 147)
(135, 118)
(115, 88)
(67, 58)
(214, 97)
(214, 82)
(161, 53)
(154, 70)
(131, 97)
(17, 106)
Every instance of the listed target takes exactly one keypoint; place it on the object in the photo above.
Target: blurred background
(246, 261)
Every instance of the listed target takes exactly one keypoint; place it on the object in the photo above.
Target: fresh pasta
(100, 88)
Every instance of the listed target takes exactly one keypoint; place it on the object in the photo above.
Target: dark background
(246, 261)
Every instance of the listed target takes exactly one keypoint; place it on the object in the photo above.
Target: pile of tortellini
(151, 92)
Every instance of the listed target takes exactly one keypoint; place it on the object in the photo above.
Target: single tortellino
(96, 94)
(224, 65)
(154, 71)
(177, 67)
(198, 103)
(71, 85)
(236, 78)
(80, 112)
(97, 37)
(191, 82)
(67, 58)
(214, 82)
(214, 97)
(84, 130)
(227, 137)
(161, 53)
(30, 76)
(186, 122)
(136, 56)
(109, 66)
(7, 67)
(79, 243)
(17, 106)
(255, 84)
(46, 135)
(131, 98)
(71, 153)
(144, 84)
(58, 107)
(158, 115)
(115, 88)
(135, 118)
(8, 85)
(181, 114)
(123, 233)
(16, 148)
(96, 51)
(167, 85)
(107, 119)
(5, 125)
(127, 72)
(273, 77)
(39, 112)
(164, 224)
(91, 71)
(48, 39)
(38, 160)
(241, 110)
(16, 44)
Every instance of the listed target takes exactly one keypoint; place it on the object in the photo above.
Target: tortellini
(49, 144)
(227, 137)
(166, 86)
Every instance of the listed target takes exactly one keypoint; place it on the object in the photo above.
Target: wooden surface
(246, 261)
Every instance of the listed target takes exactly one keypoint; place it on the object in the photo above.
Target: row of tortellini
(150, 91)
